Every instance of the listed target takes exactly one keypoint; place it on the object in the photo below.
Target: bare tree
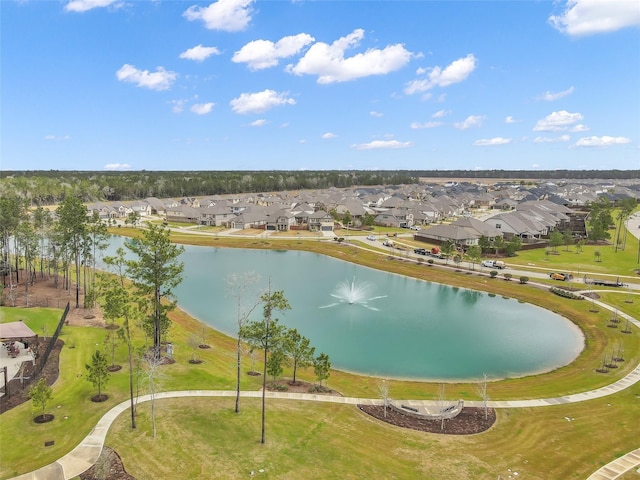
(442, 404)
(482, 391)
(238, 286)
(383, 389)
(154, 381)
(194, 343)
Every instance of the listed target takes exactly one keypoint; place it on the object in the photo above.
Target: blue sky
(294, 85)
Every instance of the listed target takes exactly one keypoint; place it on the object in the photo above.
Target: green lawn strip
(43, 321)
(611, 262)
(309, 440)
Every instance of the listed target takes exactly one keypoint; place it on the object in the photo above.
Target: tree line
(51, 187)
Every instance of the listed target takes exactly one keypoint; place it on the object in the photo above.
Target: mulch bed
(108, 467)
(470, 421)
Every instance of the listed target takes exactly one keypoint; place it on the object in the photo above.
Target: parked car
(420, 251)
(493, 264)
(560, 276)
(415, 227)
(371, 237)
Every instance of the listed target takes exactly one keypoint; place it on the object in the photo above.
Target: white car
(415, 227)
(371, 237)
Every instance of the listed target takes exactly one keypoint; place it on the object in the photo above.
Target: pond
(377, 323)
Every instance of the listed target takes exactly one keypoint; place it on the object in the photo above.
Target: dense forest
(50, 187)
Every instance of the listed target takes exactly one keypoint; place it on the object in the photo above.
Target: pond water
(377, 323)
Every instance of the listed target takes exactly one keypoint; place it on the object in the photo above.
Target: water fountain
(353, 293)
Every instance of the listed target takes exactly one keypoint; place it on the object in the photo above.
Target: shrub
(566, 293)
(507, 277)
(524, 280)
(493, 273)
(430, 261)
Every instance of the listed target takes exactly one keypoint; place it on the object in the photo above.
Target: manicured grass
(43, 321)
(204, 438)
(333, 441)
(623, 262)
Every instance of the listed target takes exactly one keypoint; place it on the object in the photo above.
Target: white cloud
(561, 138)
(604, 141)
(587, 17)
(487, 142)
(225, 15)
(382, 144)
(57, 138)
(329, 63)
(510, 119)
(199, 53)
(552, 96)
(376, 114)
(178, 105)
(441, 113)
(580, 128)
(260, 102)
(557, 121)
(455, 72)
(470, 121)
(202, 108)
(417, 125)
(117, 166)
(258, 123)
(261, 54)
(86, 5)
(161, 79)
(329, 135)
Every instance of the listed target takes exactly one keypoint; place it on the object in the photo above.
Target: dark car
(420, 251)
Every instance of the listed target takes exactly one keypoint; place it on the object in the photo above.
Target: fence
(52, 341)
(27, 375)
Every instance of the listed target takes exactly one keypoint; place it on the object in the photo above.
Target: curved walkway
(87, 452)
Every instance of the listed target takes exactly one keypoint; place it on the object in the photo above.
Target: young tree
(447, 247)
(155, 274)
(598, 255)
(154, 379)
(274, 364)
(118, 303)
(474, 254)
(482, 391)
(513, 246)
(299, 349)
(322, 367)
(238, 286)
(599, 219)
(498, 244)
(484, 244)
(555, 240)
(98, 373)
(113, 339)
(41, 394)
(267, 335)
(383, 389)
(194, 342)
(579, 245)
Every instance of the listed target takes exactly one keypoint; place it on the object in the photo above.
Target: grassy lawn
(205, 439)
(316, 441)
